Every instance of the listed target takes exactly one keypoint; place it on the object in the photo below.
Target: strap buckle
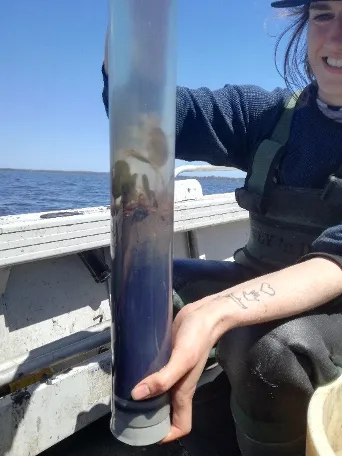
(251, 201)
(332, 192)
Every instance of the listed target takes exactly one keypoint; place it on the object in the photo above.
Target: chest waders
(284, 220)
(273, 368)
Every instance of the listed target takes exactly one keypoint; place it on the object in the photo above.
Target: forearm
(281, 294)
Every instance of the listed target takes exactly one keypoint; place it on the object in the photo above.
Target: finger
(182, 407)
(165, 379)
(181, 419)
(182, 396)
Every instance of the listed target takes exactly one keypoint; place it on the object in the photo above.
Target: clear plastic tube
(142, 98)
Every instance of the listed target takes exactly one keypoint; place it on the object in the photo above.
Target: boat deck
(55, 319)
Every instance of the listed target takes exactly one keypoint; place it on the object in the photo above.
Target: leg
(273, 370)
(195, 279)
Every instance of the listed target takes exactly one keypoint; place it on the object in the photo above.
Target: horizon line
(186, 174)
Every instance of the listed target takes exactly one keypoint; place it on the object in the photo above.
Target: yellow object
(30, 379)
(324, 432)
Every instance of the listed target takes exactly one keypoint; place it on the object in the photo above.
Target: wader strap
(270, 150)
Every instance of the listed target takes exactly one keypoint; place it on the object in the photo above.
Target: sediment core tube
(142, 99)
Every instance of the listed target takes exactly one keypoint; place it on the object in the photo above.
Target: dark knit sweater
(224, 127)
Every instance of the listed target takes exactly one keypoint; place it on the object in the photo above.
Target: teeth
(334, 62)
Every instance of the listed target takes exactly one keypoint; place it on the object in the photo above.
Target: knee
(257, 356)
(269, 380)
(273, 369)
(293, 354)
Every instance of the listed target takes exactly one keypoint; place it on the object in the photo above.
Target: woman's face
(325, 49)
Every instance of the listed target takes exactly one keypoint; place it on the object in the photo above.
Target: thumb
(163, 380)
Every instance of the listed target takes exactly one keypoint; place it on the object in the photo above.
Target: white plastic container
(324, 433)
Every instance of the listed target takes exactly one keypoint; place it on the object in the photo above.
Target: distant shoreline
(192, 176)
(53, 171)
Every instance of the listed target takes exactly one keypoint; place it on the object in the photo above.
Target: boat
(55, 314)
(55, 317)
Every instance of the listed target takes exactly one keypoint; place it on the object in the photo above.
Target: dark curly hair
(296, 70)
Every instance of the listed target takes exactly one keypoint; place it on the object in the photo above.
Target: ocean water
(23, 192)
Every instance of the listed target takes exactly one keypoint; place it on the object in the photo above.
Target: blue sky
(51, 110)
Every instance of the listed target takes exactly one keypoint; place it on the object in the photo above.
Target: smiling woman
(308, 46)
(325, 49)
(274, 315)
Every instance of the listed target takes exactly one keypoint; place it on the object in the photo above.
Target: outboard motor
(142, 99)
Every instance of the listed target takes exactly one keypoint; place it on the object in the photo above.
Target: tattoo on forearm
(267, 289)
(237, 301)
(250, 296)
